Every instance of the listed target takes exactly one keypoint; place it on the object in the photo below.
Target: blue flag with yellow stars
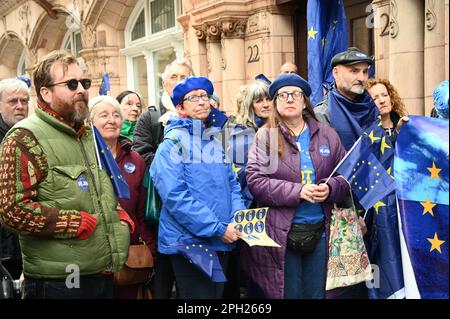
(105, 87)
(365, 174)
(421, 168)
(108, 163)
(327, 36)
(204, 257)
(216, 118)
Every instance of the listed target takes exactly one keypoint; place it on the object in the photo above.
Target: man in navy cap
(351, 73)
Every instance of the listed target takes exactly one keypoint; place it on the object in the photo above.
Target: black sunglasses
(72, 84)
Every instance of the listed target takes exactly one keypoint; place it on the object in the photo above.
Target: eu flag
(108, 163)
(105, 86)
(421, 168)
(216, 118)
(327, 36)
(365, 174)
(204, 257)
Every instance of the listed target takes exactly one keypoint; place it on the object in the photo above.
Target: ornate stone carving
(430, 15)
(393, 23)
(214, 31)
(234, 28)
(200, 31)
(24, 15)
(257, 23)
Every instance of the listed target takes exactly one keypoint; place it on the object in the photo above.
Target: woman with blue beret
(288, 166)
(198, 189)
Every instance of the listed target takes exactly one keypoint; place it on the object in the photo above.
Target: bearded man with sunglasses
(54, 194)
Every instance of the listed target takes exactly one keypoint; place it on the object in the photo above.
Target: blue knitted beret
(189, 84)
(289, 79)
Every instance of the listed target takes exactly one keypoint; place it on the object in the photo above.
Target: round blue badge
(259, 227)
(248, 229)
(129, 167)
(83, 183)
(324, 150)
(238, 227)
(250, 215)
(261, 213)
(239, 217)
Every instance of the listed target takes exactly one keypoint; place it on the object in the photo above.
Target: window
(163, 15)
(153, 39)
(139, 27)
(72, 42)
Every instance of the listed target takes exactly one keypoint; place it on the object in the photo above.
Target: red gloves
(87, 226)
(123, 216)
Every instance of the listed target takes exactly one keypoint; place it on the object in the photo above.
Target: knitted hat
(189, 84)
(289, 79)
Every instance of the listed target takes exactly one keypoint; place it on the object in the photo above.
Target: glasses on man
(72, 84)
(14, 102)
(196, 98)
(284, 96)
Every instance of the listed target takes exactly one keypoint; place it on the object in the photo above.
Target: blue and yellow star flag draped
(105, 87)
(365, 174)
(204, 257)
(327, 36)
(106, 161)
(216, 118)
(421, 168)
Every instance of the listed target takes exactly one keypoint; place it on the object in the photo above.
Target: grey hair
(94, 102)
(171, 66)
(15, 85)
(245, 114)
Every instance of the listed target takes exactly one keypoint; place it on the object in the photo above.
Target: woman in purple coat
(289, 162)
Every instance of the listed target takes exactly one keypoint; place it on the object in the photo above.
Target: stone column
(434, 49)
(233, 61)
(214, 56)
(381, 37)
(406, 52)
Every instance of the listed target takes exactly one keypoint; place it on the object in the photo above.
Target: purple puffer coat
(280, 191)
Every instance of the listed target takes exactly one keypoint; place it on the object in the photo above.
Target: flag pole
(344, 158)
(96, 148)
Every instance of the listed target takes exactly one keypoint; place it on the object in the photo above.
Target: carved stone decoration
(24, 15)
(223, 62)
(214, 31)
(393, 23)
(200, 31)
(257, 23)
(234, 28)
(88, 36)
(430, 15)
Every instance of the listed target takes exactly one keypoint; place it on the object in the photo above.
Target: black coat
(148, 133)
(10, 254)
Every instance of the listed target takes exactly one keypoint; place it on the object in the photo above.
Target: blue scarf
(349, 118)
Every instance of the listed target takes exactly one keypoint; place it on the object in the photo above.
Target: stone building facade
(230, 41)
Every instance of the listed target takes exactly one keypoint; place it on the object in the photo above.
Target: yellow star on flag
(378, 205)
(323, 42)
(379, 123)
(435, 243)
(427, 207)
(373, 138)
(383, 144)
(236, 169)
(312, 33)
(434, 171)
